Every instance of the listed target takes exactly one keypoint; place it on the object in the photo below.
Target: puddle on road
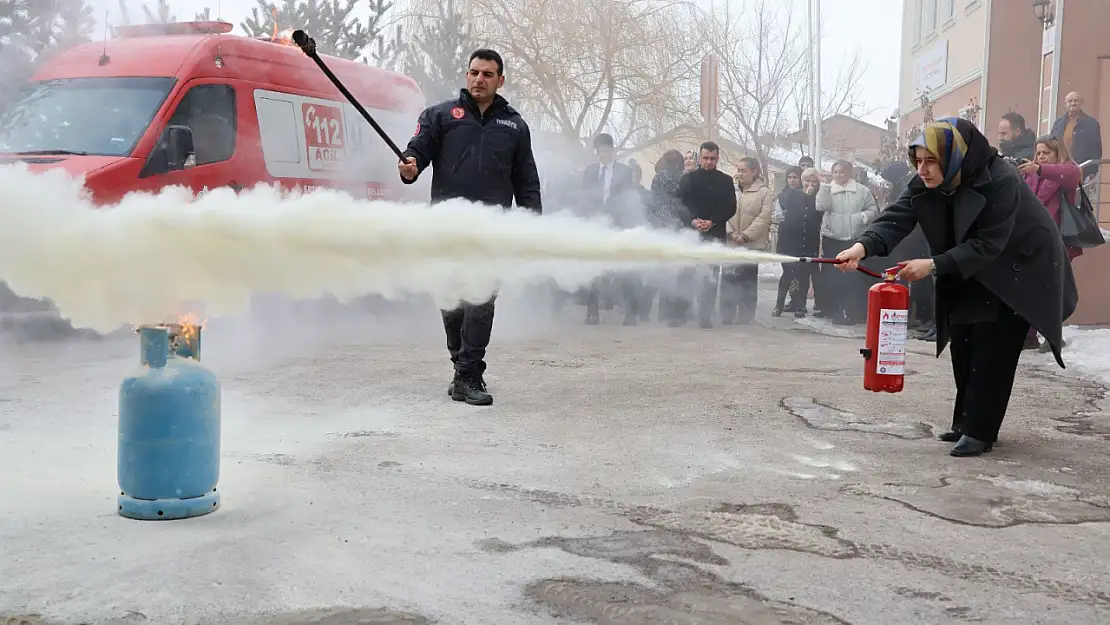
(684, 593)
(321, 616)
(822, 417)
(344, 616)
(993, 501)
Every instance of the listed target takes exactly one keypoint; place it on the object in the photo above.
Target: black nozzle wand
(833, 261)
(308, 46)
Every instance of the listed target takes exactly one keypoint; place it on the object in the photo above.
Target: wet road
(624, 476)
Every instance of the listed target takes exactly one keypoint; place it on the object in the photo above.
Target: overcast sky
(874, 27)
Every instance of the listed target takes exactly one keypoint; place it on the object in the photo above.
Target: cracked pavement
(624, 476)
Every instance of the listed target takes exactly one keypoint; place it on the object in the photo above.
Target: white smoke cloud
(141, 260)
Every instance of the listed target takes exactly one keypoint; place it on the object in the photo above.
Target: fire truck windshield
(101, 116)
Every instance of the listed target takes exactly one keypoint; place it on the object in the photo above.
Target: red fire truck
(256, 110)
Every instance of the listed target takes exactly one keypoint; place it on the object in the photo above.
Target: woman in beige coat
(750, 228)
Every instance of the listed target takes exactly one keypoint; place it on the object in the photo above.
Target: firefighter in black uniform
(480, 150)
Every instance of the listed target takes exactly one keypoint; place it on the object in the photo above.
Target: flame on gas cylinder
(190, 327)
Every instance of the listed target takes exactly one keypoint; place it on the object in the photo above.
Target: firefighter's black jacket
(481, 158)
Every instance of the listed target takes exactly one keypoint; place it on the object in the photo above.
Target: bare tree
(763, 65)
(580, 67)
(842, 97)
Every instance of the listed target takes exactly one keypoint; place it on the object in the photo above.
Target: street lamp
(1042, 9)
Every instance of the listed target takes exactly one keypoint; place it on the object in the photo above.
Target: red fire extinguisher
(888, 317)
(884, 352)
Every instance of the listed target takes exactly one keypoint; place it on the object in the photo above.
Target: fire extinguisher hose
(833, 261)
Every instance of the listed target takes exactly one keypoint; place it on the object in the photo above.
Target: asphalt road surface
(624, 476)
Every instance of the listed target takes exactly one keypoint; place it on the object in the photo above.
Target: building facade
(846, 137)
(980, 59)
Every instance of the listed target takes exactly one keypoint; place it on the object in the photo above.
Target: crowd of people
(808, 217)
(812, 215)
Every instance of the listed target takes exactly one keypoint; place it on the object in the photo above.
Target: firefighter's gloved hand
(848, 260)
(916, 269)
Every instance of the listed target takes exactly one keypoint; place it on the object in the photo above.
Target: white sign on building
(1048, 41)
(930, 67)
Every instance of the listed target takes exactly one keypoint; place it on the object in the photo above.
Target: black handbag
(1078, 224)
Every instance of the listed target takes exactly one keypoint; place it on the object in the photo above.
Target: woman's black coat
(1005, 239)
(666, 209)
(800, 230)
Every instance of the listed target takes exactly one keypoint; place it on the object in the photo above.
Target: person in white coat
(847, 208)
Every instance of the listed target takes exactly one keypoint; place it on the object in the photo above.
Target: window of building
(930, 15)
(949, 10)
(209, 111)
(917, 7)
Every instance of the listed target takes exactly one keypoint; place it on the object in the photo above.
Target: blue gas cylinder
(169, 429)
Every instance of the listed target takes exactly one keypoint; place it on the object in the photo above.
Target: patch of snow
(826, 327)
(1030, 487)
(1087, 353)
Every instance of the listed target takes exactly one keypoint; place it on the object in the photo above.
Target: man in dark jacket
(1015, 141)
(480, 150)
(1080, 132)
(999, 262)
(710, 196)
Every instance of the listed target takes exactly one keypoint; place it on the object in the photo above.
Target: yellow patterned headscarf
(944, 140)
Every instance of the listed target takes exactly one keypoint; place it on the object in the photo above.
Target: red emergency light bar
(174, 28)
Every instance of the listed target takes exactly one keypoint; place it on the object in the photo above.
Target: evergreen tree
(161, 14)
(31, 30)
(337, 31)
(437, 56)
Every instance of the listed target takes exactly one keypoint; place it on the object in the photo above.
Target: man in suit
(604, 184)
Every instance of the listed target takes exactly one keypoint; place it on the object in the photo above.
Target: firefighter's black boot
(454, 382)
(471, 388)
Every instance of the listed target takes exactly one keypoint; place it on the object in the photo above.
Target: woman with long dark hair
(999, 262)
(667, 211)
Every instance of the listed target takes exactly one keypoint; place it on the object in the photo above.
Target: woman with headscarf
(999, 262)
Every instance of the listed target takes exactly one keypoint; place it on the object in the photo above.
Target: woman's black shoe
(967, 447)
(950, 436)
(777, 312)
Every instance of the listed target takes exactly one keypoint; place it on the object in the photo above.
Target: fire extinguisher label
(893, 324)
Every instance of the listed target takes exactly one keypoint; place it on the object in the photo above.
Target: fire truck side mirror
(179, 146)
(173, 152)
